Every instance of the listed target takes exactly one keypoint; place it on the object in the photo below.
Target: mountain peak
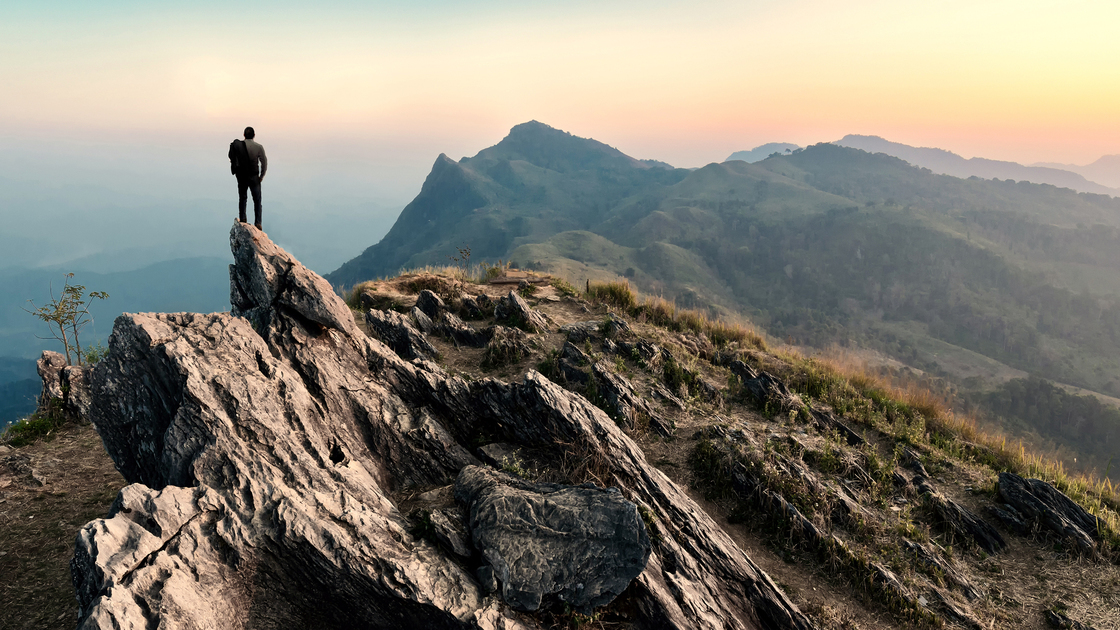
(556, 150)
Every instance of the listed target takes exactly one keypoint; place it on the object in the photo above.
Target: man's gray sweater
(256, 154)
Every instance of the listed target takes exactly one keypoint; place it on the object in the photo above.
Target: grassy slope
(837, 587)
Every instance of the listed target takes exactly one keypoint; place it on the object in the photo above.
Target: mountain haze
(948, 163)
(760, 153)
(1105, 170)
(973, 281)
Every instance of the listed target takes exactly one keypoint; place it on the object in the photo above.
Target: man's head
(249, 133)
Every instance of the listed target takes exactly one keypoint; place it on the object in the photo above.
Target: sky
(122, 111)
(685, 82)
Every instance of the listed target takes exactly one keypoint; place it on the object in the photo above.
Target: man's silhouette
(244, 161)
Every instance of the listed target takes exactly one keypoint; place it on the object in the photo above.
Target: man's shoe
(258, 226)
(240, 220)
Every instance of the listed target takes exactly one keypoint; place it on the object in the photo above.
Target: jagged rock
(578, 332)
(615, 327)
(958, 613)
(582, 544)
(264, 453)
(461, 333)
(431, 304)
(396, 332)
(65, 387)
(265, 281)
(469, 308)
(450, 531)
(506, 345)
(929, 555)
(914, 462)
(1038, 501)
(499, 454)
(627, 406)
(50, 366)
(664, 394)
(569, 352)
(487, 578)
(423, 322)
(764, 387)
(827, 421)
(648, 352)
(513, 310)
(368, 299)
(708, 392)
(960, 520)
(1010, 518)
(1060, 620)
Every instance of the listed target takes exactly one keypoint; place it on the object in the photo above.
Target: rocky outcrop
(959, 519)
(582, 545)
(268, 449)
(514, 311)
(629, 409)
(65, 387)
(1043, 504)
(398, 333)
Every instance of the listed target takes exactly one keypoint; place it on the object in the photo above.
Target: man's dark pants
(252, 184)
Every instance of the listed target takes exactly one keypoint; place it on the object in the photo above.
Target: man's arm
(264, 163)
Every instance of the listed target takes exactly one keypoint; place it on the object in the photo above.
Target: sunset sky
(387, 86)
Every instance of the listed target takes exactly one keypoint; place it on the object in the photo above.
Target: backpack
(239, 162)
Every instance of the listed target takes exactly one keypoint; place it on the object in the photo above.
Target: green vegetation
(67, 315)
(42, 424)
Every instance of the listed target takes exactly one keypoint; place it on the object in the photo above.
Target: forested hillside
(972, 281)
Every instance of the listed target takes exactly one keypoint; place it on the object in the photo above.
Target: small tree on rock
(67, 315)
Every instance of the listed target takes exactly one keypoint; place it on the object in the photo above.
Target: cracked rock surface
(266, 446)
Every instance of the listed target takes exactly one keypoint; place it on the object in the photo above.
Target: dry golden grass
(661, 312)
(962, 436)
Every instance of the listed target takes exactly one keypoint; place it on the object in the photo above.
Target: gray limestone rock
(506, 346)
(50, 366)
(423, 322)
(65, 387)
(460, 332)
(578, 332)
(627, 406)
(514, 311)
(1039, 502)
(397, 332)
(581, 544)
(451, 531)
(265, 448)
(431, 304)
(960, 519)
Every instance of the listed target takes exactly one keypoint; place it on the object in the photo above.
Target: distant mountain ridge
(948, 163)
(1105, 170)
(976, 280)
(760, 153)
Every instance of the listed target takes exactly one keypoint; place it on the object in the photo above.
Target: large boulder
(267, 450)
(582, 544)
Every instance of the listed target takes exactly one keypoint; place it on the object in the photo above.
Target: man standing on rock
(244, 158)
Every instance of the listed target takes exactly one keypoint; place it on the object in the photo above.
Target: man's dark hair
(249, 133)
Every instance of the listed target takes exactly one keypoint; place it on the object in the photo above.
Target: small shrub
(564, 287)
(38, 425)
(95, 353)
(616, 294)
